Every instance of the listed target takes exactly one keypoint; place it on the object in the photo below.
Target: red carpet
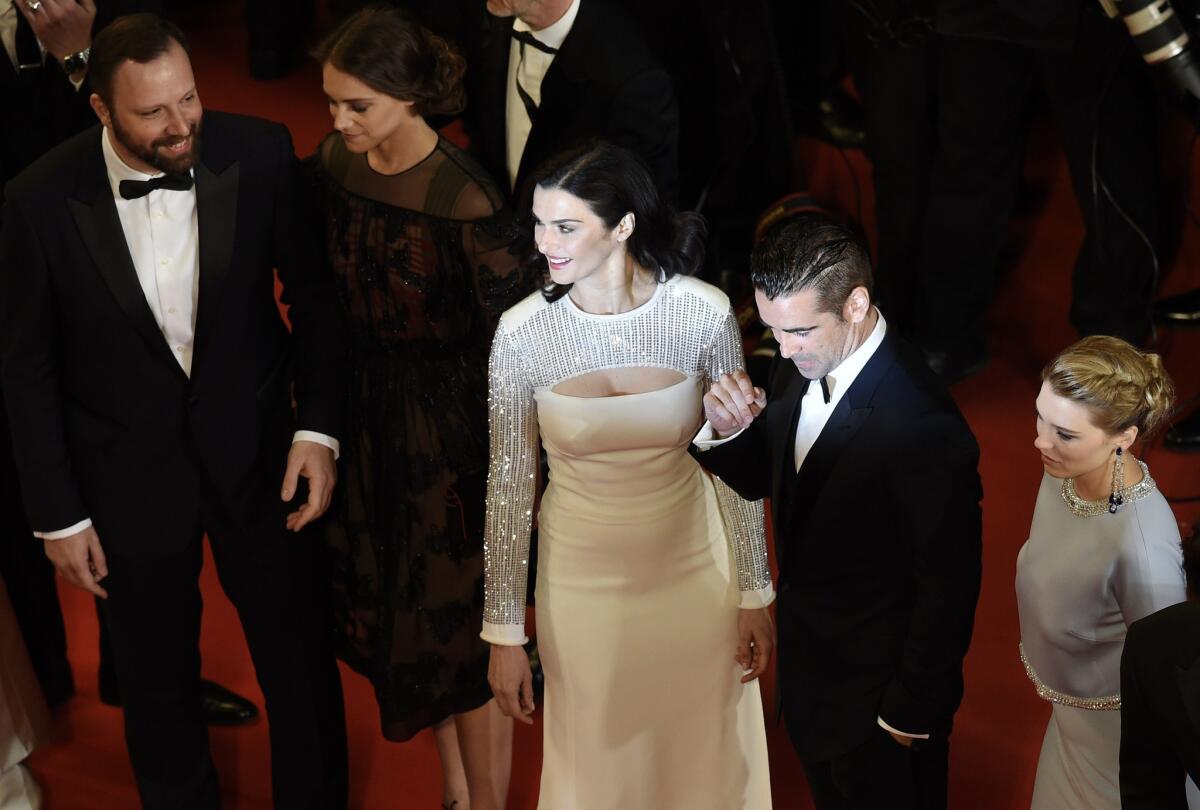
(999, 728)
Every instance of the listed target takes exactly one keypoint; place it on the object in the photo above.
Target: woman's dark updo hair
(390, 52)
(613, 181)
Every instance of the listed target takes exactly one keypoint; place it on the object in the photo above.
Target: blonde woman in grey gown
(1103, 551)
(652, 580)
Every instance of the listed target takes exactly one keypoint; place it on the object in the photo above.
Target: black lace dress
(424, 269)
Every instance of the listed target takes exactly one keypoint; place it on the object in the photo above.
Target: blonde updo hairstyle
(1121, 386)
(390, 52)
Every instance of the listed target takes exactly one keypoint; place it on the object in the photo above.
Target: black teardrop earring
(1116, 499)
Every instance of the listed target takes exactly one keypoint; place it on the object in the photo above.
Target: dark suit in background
(41, 109)
(106, 425)
(878, 542)
(994, 54)
(1160, 709)
(604, 82)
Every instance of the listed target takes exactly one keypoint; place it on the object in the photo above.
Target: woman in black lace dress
(419, 242)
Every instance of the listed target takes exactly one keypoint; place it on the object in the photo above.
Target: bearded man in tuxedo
(149, 380)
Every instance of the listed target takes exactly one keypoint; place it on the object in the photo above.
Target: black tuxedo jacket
(105, 423)
(1160, 709)
(604, 82)
(878, 543)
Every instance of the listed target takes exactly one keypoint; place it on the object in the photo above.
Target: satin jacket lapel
(95, 214)
(496, 46)
(789, 404)
(216, 225)
(1189, 688)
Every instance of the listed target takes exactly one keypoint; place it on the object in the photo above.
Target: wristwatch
(76, 62)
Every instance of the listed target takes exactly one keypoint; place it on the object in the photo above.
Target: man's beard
(152, 153)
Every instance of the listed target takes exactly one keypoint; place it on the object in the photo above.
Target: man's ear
(101, 109)
(857, 306)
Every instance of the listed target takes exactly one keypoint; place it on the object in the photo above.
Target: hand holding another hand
(64, 27)
(732, 403)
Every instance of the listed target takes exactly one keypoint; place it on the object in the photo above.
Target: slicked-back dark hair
(811, 252)
(614, 181)
(138, 38)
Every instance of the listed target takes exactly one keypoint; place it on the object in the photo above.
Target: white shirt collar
(843, 376)
(555, 34)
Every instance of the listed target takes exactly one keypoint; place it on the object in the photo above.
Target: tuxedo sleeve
(935, 495)
(30, 375)
(310, 293)
(743, 463)
(1152, 777)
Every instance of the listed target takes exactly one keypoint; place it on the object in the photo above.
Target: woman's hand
(511, 680)
(756, 642)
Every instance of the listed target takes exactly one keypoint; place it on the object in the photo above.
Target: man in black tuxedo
(1160, 700)
(45, 77)
(544, 74)
(871, 471)
(149, 380)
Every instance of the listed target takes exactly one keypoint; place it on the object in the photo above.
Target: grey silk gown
(1081, 581)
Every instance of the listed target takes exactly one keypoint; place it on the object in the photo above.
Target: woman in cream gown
(24, 719)
(651, 576)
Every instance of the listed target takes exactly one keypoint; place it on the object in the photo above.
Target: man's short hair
(139, 38)
(811, 252)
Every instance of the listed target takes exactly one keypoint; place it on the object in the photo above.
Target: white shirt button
(170, 310)
(179, 349)
(164, 262)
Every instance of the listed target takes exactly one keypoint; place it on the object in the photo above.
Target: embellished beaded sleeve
(688, 327)
(512, 478)
(743, 519)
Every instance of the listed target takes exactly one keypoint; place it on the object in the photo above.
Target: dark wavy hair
(390, 52)
(613, 181)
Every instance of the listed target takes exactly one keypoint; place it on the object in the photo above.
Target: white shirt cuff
(753, 600)
(506, 635)
(707, 437)
(886, 727)
(319, 438)
(86, 523)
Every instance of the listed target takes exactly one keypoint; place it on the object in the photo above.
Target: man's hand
(900, 738)
(80, 560)
(511, 680)
(315, 462)
(756, 642)
(64, 27)
(732, 403)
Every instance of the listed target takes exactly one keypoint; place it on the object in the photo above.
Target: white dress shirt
(530, 73)
(814, 415)
(164, 244)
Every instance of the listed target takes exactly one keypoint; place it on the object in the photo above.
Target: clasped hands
(64, 27)
(732, 403)
(79, 558)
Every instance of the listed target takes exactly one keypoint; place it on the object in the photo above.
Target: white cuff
(753, 600)
(886, 727)
(319, 438)
(506, 635)
(86, 523)
(707, 438)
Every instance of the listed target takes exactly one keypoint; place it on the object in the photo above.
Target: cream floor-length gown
(643, 562)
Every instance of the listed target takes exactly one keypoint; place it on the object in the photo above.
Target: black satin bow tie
(133, 189)
(526, 38)
(825, 390)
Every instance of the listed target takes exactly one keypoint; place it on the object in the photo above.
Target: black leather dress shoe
(1185, 435)
(225, 708)
(221, 707)
(1182, 309)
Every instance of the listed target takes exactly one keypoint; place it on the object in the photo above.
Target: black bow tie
(825, 390)
(133, 189)
(526, 38)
